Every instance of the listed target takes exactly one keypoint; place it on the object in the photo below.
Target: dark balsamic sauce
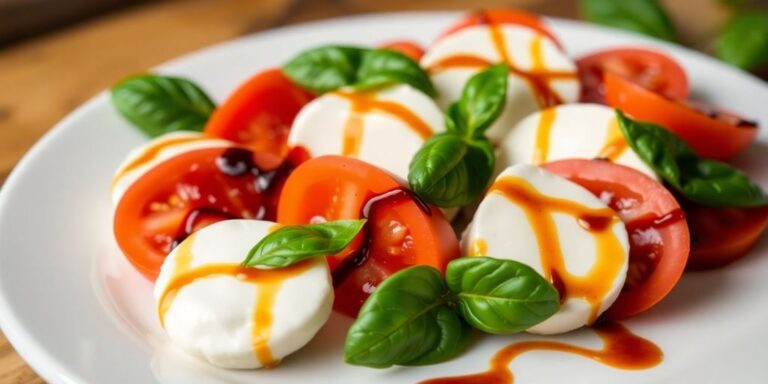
(374, 203)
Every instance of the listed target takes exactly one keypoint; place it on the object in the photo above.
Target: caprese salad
(489, 183)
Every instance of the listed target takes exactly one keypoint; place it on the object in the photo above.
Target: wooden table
(43, 79)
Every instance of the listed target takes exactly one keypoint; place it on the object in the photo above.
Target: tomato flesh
(711, 133)
(720, 236)
(649, 69)
(401, 231)
(260, 112)
(187, 192)
(409, 48)
(658, 233)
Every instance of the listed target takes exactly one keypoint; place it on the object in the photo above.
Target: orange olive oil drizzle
(621, 349)
(151, 153)
(615, 144)
(366, 102)
(543, 133)
(269, 282)
(538, 208)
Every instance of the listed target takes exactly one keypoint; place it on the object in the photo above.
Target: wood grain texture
(43, 79)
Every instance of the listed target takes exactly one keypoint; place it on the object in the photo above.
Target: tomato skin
(187, 192)
(713, 138)
(502, 16)
(260, 112)
(399, 234)
(653, 70)
(409, 48)
(636, 198)
(721, 236)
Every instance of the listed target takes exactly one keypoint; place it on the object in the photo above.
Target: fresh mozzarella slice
(541, 74)
(569, 131)
(154, 152)
(238, 317)
(563, 232)
(384, 127)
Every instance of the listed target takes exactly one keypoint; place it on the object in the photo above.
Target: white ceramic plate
(79, 313)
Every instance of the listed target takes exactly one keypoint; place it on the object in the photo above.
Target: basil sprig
(414, 318)
(331, 67)
(704, 181)
(452, 168)
(744, 41)
(291, 244)
(642, 16)
(161, 104)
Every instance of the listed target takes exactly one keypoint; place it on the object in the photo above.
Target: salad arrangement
(488, 184)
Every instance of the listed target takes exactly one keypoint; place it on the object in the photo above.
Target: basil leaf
(384, 67)
(707, 182)
(451, 171)
(407, 321)
(642, 16)
(325, 68)
(160, 104)
(482, 100)
(291, 244)
(744, 41)
(500, 296)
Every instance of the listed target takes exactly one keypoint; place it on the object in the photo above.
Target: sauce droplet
(622, 349)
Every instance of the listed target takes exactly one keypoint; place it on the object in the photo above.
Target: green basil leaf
(291, 244)
(707, 182)
(161, 104)
(325, 68)
(744, 41)
(500, 296)
(642, 16)
(383, 67)
(482, 99)
(451, 171)
(407, 321)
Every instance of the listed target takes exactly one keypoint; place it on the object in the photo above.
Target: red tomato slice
(188, 192)
(260, 112)
(722, 235)
(401, 231)
(712, 134)
(652, 70)
(502, 16)
(658, 233)
(409, 48)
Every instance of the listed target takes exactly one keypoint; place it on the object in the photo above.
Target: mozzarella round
(142, 159)
(502, 228)
(326, 126)
(215, 316)
(569, 131)
(519, 46)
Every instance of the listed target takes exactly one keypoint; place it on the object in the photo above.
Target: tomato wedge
(502, 16)
(720, 236)
(652, 70)
(711, 133)
(401, 230)
(188, 192)
(658, 233)
(409, 48)
(260, 112)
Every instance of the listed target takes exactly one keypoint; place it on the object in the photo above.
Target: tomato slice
(401, 230)
(260, 112)
(188, 192)
(502, 16)
(658, 233)
(652, 70)
(409, 48)
(720, 236)
(711, 133)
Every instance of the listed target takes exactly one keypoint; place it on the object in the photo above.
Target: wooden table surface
(43, 79)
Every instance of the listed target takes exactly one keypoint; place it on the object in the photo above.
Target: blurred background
(56, 54)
